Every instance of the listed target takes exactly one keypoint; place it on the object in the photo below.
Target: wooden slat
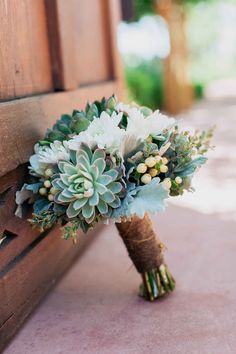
(82, 41)
(61, 19)
(9, 184)
(31, 277)
(114, 18)
(25, 66)
(24, 121)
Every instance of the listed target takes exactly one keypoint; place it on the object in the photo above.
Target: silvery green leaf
(42, 204)
(34, 187)
(87, 211)
(94, 199)
(100, 164)
(104, 179)
(108, 196)
(149, 198)
(189, 168)
(113, 173)
(115, 187)
(71, 212)
(102, 207)
(98, 154)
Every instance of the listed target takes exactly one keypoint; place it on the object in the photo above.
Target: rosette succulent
(90, 184)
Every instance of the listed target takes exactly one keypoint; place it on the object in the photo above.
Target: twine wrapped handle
(141, 242)
(146, 252)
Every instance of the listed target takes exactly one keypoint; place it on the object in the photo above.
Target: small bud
(150, 161)
(153, 172)
(50, 197)
(167, 183)
(43, 191)
(149, 139)
(146, 178)
(141, 168)
(48, 172)
(163, 168)
(164, 161)
(53, 190)
(47, 184)
(178, 180)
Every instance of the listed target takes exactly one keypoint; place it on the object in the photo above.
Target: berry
(50, 197)
(163, 168)
(153, 172)
(43, 191)
(150, 161)
(146, 178)
(141, 168)
(178, 180)
(47, 184)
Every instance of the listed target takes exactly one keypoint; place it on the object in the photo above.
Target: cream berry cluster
(48, 190)
(152, 167)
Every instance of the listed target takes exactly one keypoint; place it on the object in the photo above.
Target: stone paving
(95, 308)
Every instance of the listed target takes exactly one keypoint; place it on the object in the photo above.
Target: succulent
(90, 184)
(79, 121)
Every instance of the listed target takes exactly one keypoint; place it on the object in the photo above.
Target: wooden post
(178, 93)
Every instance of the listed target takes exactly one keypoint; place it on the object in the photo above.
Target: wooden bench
(69, 48)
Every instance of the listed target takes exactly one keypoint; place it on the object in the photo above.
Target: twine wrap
(141, 242)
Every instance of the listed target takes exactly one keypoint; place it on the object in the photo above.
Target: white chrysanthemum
(57, 151)
(48, 155)
(102, 132)
(131, 109)
(154, 124)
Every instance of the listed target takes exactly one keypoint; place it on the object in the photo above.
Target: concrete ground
(95, 308)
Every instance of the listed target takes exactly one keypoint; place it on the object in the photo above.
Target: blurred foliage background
(210, 27)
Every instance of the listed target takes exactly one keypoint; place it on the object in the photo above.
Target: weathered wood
(31, 276)
(83, 53)
(61, 20)
(113, 19)
(9, 184)
(24, 51)
(93, 61)
(68, 30)
(24, 121)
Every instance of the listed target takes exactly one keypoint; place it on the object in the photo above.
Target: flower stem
(156, 283)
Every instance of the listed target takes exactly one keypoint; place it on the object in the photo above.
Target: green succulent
(78, 121)
(91, 184)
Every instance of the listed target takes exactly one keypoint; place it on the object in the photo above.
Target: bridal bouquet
(114, 162)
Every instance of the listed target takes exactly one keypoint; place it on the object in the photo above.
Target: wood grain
(81, 46)
(32, 275)
(9, 184)
(25, 66)
(24, 121)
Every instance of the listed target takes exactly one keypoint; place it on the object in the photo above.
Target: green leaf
(52, 136)
(190, 167)
(102, 207)
(81, 125)
(64, 129)
(87, 211)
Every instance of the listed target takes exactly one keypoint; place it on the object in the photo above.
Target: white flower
(154, 124)
(102, 132)
(48, 155)
(139, 127)
(58, 151)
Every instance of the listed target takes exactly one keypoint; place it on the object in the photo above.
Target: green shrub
(145, 83)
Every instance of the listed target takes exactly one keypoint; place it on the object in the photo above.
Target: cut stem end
(157, 283)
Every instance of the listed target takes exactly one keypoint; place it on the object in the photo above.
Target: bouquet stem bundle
(146, 252)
